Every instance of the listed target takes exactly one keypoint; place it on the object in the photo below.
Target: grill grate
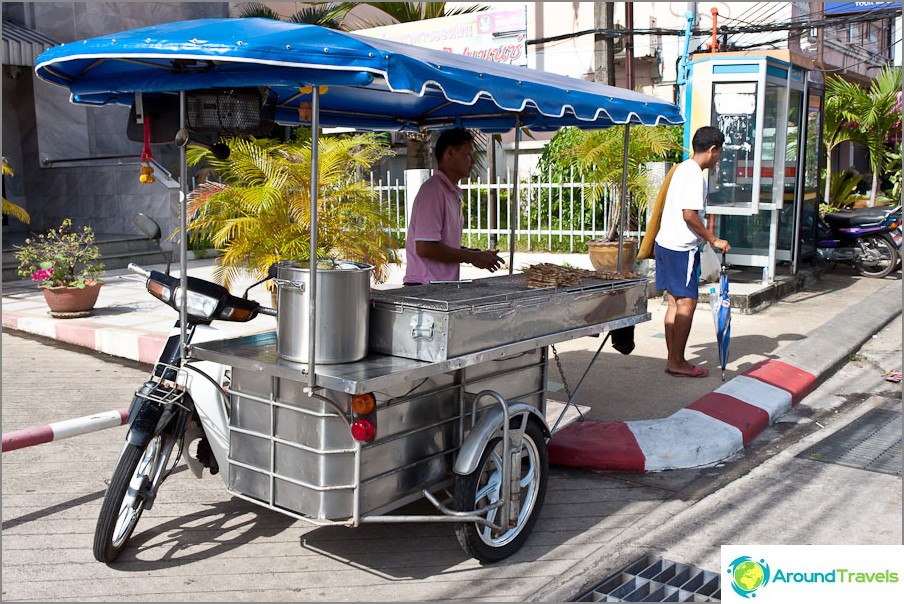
(871, 442)
(652, 579)
(487, 292)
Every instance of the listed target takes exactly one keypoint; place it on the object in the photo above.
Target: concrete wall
(40, 124)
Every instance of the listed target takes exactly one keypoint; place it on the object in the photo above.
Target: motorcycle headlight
(196, 304)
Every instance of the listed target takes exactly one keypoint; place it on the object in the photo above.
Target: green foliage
(14, 210)
(259, 213)
(534, 243)
(842, 192)
(61, 257)
(894, 171)
(868, 116)
(596, 156)
(332, 14)
(407, 12)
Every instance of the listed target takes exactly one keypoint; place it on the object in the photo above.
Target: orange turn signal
(362, 404)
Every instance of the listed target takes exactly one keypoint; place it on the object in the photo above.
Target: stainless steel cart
(458, 376)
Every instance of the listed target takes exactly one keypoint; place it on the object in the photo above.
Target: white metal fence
(551, 215)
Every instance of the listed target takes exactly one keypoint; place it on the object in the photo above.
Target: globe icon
(748, 575)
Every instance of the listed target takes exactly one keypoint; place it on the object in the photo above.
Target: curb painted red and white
(713, 428)
(125, 343)
(38, 435)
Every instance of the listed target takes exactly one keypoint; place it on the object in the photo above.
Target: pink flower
(42, 274)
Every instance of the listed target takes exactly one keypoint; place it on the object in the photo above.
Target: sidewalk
(649, 420)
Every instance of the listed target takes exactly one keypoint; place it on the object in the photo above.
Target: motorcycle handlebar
(267, 311)
(137, 269)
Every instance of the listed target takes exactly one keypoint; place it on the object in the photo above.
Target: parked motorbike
(164, 418)
(867, 238)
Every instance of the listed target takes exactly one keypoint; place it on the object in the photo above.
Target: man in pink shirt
(433, 249)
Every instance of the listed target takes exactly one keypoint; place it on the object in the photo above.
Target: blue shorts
(677, 272)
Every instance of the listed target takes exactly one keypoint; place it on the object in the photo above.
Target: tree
(836, 128)
(259, 213)
(866, 116)
(324, 14)
(599, 155)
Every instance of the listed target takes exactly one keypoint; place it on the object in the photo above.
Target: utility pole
(629, 74)
(604, 46)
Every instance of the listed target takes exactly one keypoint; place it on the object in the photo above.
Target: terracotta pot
(71, 299)
(604, 254)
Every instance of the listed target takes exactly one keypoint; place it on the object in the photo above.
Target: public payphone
(763, 196)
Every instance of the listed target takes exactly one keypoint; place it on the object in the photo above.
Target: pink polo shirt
(435, 216)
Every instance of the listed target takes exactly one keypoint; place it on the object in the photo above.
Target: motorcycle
(165, 415)
(867, 238)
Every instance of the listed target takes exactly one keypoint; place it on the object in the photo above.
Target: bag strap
(649, 237)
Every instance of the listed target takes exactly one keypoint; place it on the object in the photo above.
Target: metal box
(442, 321)
(296, 453)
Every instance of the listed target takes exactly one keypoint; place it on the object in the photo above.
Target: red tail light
(363, 430)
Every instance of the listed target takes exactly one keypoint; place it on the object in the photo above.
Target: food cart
(448, 401)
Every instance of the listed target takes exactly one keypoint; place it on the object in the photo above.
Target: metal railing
(552, 215)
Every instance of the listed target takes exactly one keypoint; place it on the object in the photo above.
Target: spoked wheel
(483, 487)
(133, 479)
(878, 258)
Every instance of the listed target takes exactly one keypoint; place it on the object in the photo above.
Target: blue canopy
(369, 83)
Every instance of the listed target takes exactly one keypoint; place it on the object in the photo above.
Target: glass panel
(810, 202)
(747, 234)
(734, 113)
(770, 121)
(792, 149)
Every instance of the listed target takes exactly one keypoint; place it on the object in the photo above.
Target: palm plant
(14, 210)
(408, 12)
(259, 213)
(836, 127)
(870, 114)
(324, 14)
(599, 155)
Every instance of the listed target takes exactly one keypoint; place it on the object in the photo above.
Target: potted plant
(66, 265)
(599, 155)
(258, 214)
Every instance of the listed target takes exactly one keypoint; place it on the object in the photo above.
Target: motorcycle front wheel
(137, 474)
(878, 258)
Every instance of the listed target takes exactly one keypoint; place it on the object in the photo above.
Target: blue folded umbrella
(721, 309)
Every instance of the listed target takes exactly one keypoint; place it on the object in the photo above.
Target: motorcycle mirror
(147, 225)
(151, 229)
(219, 150)
(271, 273)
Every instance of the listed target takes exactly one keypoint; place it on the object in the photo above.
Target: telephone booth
(763, 197)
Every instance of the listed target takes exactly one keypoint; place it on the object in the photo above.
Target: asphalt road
(200, 544)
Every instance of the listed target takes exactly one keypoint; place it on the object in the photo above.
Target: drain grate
(871, 442)
(652, 579)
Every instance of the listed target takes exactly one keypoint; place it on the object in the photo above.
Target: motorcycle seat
(858, 217)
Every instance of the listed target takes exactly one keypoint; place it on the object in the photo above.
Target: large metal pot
(343, 310)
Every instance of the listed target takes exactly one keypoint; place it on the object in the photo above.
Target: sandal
(697, 372)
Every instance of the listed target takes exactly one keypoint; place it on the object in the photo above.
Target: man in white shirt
(677, 251)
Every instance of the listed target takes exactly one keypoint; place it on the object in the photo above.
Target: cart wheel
(483, 487)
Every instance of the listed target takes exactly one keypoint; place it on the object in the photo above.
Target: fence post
(413, 181)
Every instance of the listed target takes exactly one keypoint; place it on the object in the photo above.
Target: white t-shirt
(687, 191)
